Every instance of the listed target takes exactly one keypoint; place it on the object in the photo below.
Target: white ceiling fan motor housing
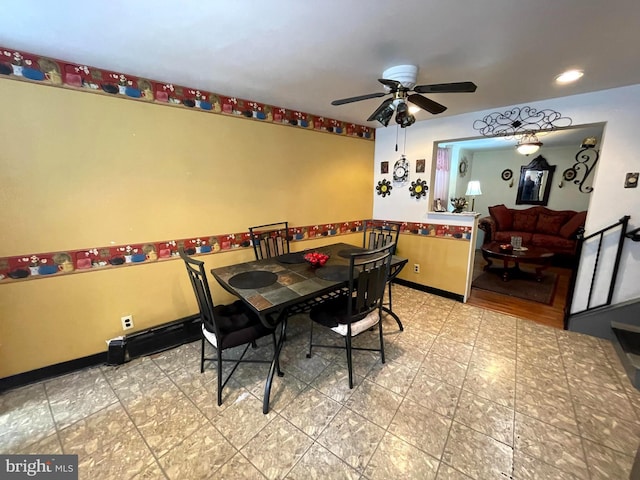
(405, 74)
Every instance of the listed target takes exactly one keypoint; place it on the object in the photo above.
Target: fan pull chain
(397, 128)
(404, 147)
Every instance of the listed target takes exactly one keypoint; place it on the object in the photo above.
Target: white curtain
(443, 167)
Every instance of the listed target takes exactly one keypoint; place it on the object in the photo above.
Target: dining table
(277, 287)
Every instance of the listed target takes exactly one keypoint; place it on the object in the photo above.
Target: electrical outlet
(416, 268)
(127, 322)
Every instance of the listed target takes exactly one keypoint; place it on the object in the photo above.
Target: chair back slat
(198, 278)
(379, 234)
(368, 274)
(270, 240)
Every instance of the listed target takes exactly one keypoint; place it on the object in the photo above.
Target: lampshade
(528, 144)
(473, 188)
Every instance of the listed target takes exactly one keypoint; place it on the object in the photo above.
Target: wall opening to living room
(496, 164)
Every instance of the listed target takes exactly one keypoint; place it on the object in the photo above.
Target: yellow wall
(443, 262)
(80, 170)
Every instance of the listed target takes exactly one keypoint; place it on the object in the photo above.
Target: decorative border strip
(45, 265)
(19, 65)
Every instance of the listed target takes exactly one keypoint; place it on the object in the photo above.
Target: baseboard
(146, 342)
(51, 371)
(424, 288)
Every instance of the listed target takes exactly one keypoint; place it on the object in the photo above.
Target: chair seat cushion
(237, 324)
(333, 314)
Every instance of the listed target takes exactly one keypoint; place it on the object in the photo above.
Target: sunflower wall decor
(419, 188)
(384, 188)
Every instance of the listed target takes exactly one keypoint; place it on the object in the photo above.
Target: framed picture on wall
(384, 167)
(420, 166)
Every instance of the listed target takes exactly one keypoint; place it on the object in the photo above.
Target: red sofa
(539, 226)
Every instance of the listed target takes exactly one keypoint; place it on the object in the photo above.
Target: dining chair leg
(310, 338)
(219, 376)
(381, 340)
(202, 356)
(349, 360)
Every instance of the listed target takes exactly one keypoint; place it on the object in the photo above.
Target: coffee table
(537, 256)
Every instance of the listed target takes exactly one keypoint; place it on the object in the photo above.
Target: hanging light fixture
(528, 144)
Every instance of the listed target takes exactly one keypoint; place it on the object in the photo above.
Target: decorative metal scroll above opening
(586, 160)
(520, 121)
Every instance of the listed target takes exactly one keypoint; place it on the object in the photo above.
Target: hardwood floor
(551, 315)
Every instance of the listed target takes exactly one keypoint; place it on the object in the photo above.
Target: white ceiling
(302, 55)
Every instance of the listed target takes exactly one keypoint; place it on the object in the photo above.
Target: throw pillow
(503, 216)
(524, 222)
(549, 224)
(570, 228)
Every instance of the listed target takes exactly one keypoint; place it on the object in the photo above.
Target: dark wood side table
(537, 256)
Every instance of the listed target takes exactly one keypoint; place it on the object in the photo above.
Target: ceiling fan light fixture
(413, 109)
(385, 115)
(528, 144)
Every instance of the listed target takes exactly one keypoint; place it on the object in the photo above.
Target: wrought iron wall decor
(419, 188)
(384, 188)
(519, 121)
(586, 160)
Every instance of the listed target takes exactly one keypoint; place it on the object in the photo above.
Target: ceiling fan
(399, 82)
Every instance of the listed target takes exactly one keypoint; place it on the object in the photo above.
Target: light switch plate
(631, 180)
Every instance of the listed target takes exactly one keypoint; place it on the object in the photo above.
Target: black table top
(296, 282)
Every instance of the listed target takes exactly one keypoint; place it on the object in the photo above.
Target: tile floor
(465, 393)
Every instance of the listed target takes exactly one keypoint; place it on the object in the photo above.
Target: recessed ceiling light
(569, 76)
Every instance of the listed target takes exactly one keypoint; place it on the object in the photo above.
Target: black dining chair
(270, 240)
(224, 326)
(376, 235)
(359, 310)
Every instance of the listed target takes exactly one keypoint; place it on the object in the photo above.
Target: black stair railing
(622, 225)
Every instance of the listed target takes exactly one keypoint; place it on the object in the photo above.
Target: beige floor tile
(311, 411)
(351, 438)
(319, 463)
(486, 384)
(526, 467)
(392, 376)
(421, 427)
(374, 403)
(486, 417)
(605, 463)
(550, 444)
(445, 347)
(446, 369)
(397, 459)
(556, 410)
(609, 431)
(434, 394)
(477, 455)
(242, 420)
(238, 468)
(198, 455)
(445, 472)
(334, 383)
(277, 448)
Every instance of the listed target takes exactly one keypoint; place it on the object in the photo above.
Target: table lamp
(473, 189)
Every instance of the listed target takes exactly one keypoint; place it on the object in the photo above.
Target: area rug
(525, 286)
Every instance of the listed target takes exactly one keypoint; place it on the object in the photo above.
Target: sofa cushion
(553, 243)
(550, 223)
(503, 216)
(569, 229)
(505, 237)
(524, 222)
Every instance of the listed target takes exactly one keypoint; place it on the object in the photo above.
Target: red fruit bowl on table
(316, 259)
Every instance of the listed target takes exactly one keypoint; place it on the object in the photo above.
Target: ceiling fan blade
(382, 106)
(342, 101)
(394, 85)
(426, 104)
(456, 87)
